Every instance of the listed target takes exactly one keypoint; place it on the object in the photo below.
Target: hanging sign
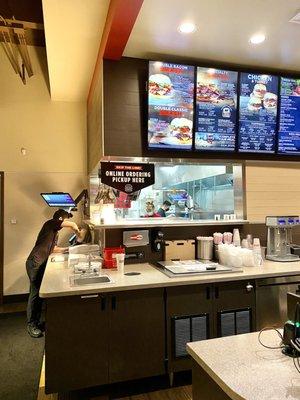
(127, 177)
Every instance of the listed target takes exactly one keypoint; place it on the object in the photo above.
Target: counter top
(56, 279)
(246, 370)
(163, 222)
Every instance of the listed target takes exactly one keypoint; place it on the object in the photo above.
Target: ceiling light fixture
(187, 27)
(257, 39)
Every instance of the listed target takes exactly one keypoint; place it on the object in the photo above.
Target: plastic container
(236, 238)
(109, 255)
(83, 253)
(120, 258)
(227, 237)
(257, 252)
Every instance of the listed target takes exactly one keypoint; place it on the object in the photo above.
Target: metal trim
(173, 161)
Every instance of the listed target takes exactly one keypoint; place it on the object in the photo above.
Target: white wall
(54, 135)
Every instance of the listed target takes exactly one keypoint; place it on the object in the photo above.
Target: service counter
(138, 326)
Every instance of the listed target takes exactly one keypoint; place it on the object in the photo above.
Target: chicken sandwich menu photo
(216, 109)
(258, 113)
(170, 106)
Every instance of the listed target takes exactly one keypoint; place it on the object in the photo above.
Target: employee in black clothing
(46, 244)
(164, 208)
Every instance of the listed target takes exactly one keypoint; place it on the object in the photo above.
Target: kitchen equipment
(136, 238)
(205, 247)
(79, 280)
(157, 240)
(110, 256)
(279, 238)
(174, 269)
(271, 300)
(179, 250)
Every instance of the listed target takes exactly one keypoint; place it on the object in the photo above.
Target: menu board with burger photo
(258, 112)
(216, 109)
(170, 106)
(289, 122)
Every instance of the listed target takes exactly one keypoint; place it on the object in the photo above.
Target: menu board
(258, 112)
(216, 109)
(170, 106)
(289, 121)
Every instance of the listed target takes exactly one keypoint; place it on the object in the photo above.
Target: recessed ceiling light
(257, 39)
(187, 27)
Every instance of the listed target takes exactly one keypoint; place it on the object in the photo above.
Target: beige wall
(54, 135)
(272, 188)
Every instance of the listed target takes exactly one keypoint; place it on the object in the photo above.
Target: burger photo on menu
(181, 132)
(215, 86)
(210, 93)
(258, 103)
(257, 95)
(170, 105)
(170, 84)
(176, 133)
(216, 103)
(270, 101)
(160, 85)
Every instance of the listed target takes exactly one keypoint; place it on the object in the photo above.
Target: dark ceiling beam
(120, 20)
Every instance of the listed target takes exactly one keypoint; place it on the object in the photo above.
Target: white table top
(56, 281)
(244, 369)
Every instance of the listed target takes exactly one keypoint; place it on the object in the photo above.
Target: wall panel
(271, 189)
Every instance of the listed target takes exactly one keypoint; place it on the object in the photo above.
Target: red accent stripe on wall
(124, 19)
(120, 20)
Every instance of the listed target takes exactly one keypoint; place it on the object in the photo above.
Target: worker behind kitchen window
(46, 243)
(164, 208)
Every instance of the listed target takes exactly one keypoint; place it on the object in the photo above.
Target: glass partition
(184, 189)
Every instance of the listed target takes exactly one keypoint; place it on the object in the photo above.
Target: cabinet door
(76, 343)
(189, 318)
(234, 308)
(137, 335)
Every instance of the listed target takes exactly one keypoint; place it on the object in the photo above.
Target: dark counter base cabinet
(98, 339)
(200, 312)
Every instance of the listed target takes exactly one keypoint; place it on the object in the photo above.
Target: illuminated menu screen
(170, 106)
(216, 109)
(258, 112)
(289, 122)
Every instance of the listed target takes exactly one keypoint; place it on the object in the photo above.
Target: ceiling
(223, 32)
(23, 10)
(28, 11)
(73, 30)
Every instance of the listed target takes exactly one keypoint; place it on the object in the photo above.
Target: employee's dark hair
(167, 203)
(62, 214)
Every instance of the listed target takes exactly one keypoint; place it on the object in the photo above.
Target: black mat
(20, 359)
